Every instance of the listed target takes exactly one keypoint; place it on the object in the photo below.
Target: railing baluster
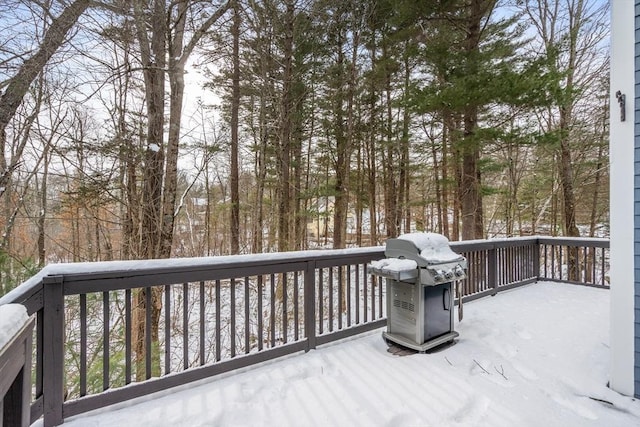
(272, 317)
(330, 299)
(373, 297)
(522, 253)
(476, 275)
(310, 304)
(357, 300)
(518, 252)
(202, 323)
(105, 340)
(474, 269)
(218, 326)
(481, 265)
(507, 271)
(521, 264)
(320, 301)
(492, 267)
(593, 266)
(583, 269)
(504, 270)
(127, 336)
(232, 331)
(535, 260)
(39, 353)
(349, 295)
(296, 306)
(365, 288)
(560, 252)
(602, 270)
(340, 297)
(185, 326)
(83, 345)
(260, 323)
(246, 315)
(147, 332)
(167, 329)
(284, 307)
(512, 264)
(380, 298)
(486, 277)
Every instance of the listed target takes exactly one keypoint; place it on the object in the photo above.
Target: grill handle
(446, 299)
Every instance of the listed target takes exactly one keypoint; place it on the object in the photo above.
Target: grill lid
(427, 249)
(426, 257)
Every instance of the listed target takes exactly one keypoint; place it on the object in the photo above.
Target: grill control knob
(438, 276)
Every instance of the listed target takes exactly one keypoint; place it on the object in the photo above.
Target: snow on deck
(532, 356)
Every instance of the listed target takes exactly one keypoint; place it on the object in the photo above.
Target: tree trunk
(447, 133)
(457, 191)
(566, 162)
(284, 161)
(235, 107)
(437, 183)
(371, 150)
(404, 213)
(392, 220)
(42, 258)
(344, 143)
(471, 194)
(153, 53)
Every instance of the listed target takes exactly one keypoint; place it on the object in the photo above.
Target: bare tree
(19, 84)
(571, 34)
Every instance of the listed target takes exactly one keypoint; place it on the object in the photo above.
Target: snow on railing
(16, 329)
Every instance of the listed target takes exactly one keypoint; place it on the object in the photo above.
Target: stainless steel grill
(420, 269)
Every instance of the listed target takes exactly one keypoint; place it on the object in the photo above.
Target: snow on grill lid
(433, 247)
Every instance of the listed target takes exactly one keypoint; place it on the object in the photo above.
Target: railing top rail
(517, 241)
(28, 294)
(483, 244)
(29, 289)
(497, 240)
(85, 271)
(597, 242)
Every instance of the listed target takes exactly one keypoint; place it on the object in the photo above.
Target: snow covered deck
(532, 356)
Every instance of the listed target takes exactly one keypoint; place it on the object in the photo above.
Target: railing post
(492, 269)
(310, 304)
(536, 259)
(53, 356)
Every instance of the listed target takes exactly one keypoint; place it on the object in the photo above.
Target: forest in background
(318, 123)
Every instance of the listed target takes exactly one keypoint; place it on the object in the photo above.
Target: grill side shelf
(404, 276)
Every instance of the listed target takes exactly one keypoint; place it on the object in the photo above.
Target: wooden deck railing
(96, 344)
(15, 375)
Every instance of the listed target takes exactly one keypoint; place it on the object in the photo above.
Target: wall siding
(636, 225)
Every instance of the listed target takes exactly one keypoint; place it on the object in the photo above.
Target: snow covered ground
(534, 356)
